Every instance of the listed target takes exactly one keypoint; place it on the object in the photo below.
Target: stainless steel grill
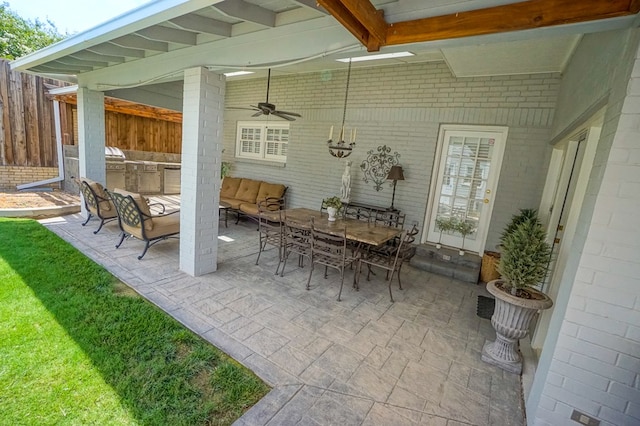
(115, 167)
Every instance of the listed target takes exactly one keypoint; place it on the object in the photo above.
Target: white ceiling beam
(74, 61)
(170, 35)
(244, 11)
(91, 56)
(311, 4)
(201, 24)
(112, 49)
(136, 42)
(56, 66)
(149, 14)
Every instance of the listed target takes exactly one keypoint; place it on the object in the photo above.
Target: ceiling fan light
(377, 57)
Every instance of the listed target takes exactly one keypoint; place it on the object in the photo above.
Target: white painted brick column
(203, 106)
(91, 136)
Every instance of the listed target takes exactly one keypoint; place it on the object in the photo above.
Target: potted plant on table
(333, 205)
(523, 263)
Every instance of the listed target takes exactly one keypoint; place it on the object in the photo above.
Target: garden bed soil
(36, 199)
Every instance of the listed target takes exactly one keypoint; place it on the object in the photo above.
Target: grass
(80, 347)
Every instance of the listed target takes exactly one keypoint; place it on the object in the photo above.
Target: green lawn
(79, 347)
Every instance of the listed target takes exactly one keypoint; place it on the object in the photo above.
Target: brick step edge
(469, 260)
(448, 269)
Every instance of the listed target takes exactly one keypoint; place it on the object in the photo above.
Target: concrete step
(448, 262)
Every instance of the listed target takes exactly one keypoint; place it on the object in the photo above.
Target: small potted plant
(465, 228)
(523, 264)
(333, 205)
(444, 224)
(225, 168)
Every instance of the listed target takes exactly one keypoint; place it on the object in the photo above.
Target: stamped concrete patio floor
(361, 361)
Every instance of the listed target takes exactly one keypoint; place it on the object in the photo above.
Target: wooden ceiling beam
(511, 17)
(367, 24)
(362, 20)
(129, 108)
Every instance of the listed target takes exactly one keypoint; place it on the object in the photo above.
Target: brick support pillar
(91, 136)
(203, 106)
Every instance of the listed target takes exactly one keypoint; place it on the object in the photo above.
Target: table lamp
(395, 174)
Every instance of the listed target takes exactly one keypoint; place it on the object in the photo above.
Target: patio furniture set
(361, 236)
(375, 239)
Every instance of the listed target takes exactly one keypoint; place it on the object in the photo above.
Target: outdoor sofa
(243, 195)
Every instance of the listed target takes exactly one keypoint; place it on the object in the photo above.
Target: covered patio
(552, 87)
(363, 360)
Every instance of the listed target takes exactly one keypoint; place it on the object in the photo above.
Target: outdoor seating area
(362, 360)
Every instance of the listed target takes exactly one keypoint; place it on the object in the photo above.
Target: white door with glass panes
(464, 184)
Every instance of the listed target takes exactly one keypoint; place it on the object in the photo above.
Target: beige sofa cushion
(107, 208)
(270, 190)
(232, 202)
(229, 187)
(248, 190)
(143, 204)
(249, 208)
(165, 225)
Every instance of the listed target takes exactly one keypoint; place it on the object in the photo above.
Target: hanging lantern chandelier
(340, 148)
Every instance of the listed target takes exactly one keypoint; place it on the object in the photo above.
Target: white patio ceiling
(157, 41)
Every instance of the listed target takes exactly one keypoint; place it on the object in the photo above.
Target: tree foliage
(19, 36)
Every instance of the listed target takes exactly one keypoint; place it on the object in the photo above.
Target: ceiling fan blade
(244, 108)
(295, 114)
(257, 114)
(286, 117)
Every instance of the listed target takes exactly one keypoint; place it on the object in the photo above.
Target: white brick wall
(200, 177)
(402, 107)
(91, 137)
(593, 364)
(91, 134)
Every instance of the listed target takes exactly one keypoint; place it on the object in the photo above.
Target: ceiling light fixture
(237, 73)
(340, 149)
(376, 57)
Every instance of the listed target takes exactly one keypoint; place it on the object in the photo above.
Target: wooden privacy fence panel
(27, 132)
(27, 129)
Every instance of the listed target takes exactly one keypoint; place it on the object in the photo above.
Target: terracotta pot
(511, 319)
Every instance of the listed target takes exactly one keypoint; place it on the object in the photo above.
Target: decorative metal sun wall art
(377, 165)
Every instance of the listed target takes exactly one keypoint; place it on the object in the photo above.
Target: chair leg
(400, 282)
(286, 256)
(122, 237)
(260, 248)
(99, 227)
(390, 293)
(341, 283)
(310, 272)
(146, 247)
(88, 219)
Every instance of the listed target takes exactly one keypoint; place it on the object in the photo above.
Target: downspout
(60, 177)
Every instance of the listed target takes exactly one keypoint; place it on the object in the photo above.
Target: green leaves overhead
(19, 36)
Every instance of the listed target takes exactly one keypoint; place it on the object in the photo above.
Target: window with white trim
(261, 140)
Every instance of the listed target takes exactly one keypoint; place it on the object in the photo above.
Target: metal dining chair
(389, 257)
(297, 239)
(270, 229)
(331, 251)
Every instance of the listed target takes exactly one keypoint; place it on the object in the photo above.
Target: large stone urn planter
(511, 319)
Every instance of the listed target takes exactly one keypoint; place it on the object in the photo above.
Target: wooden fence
(27, 130)
(27, 133)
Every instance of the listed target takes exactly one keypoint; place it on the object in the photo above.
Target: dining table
(357, 230)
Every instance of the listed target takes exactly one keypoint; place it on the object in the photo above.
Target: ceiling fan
(266, 108)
